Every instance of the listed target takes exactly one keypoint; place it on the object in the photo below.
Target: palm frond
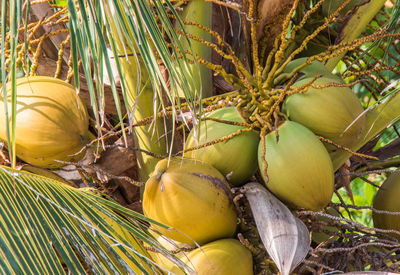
(49, 227)
(142, 26)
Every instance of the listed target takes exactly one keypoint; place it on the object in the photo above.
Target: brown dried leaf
(284, 236)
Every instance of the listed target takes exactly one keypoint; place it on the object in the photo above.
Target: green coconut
(310, 71)
(332, 112)
(235, 158)
(299, 169)
(191, 197)
(387, 198)
(222, 257)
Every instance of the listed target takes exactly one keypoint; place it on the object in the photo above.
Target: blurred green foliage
(363, 195)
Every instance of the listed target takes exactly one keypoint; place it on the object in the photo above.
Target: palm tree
(49, 226)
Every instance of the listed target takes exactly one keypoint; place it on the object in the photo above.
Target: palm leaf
(15, 14)
(137, 32)
(49, 227)
(138, 28)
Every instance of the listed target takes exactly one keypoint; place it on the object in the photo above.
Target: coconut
(235, 158)
(51, 122)
(332, 112)
(222, 257)
(191, 197)
(387, 199)
(310, 71)
(299, 169)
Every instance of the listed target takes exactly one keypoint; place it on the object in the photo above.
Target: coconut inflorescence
(51, 121)
(191, 194)
(292, 157)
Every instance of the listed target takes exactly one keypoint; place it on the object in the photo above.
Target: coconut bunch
(283, 127)
(191, 194)
(52, 124)
(279, 162)
(293, 161)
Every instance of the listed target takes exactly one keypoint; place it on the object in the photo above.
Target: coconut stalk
(355, 26)
(376, 121)
(199, 11)
(140, 98)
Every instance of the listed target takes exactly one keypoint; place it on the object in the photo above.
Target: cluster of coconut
(191, 194)
(314, 110)
(195, 200)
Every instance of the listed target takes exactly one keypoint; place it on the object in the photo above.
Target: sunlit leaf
(47, 227)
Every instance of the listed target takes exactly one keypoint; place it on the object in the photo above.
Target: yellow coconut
(235, 158)
(191, 197)
(299, 170)
(222, 257)
(51, 123)
(387, 199)
(331, 112)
